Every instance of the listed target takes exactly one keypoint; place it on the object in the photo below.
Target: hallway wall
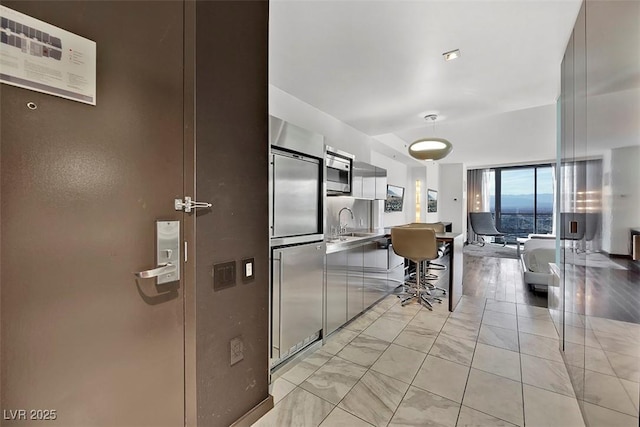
(231, 173)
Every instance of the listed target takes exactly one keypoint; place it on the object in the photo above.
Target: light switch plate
(248, 269)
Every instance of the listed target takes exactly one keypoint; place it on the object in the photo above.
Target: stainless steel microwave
(338, 173)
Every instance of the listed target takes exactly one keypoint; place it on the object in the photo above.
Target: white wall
(428, 176)
(452, 197)
(397, 174)
(621, 198)
(433, 183)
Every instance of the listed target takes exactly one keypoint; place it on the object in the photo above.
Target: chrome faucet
(343, 228)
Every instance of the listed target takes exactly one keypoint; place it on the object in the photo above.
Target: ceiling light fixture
(430, 148)
(453, 54)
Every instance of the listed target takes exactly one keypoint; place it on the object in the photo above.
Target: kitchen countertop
(356, 238)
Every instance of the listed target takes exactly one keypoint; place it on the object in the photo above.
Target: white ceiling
(378, 66)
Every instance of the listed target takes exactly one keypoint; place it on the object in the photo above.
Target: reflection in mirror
(596, 306)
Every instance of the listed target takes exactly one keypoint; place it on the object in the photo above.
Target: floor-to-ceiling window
(521, 199)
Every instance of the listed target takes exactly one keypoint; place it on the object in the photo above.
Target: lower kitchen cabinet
(357, 278)
(297, 296)
(395, 269)
(375, 272)
(355, 299)
(336, 297)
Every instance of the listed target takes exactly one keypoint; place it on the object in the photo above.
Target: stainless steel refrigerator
(298, 274)
(296, 202)
(298, 251)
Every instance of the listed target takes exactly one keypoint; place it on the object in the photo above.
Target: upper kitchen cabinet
(381, 184)
(294, 138)
(369, 182)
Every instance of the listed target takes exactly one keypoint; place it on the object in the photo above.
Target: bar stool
(438, 227)
(417, 244)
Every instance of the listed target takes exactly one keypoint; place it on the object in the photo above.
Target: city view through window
(521, 200)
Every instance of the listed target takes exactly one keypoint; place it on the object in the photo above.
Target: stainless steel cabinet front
(364, 181)
(375, 272)
(297, 294)
(381, 183)
(355, 301)
(296, 195)
(336, 299)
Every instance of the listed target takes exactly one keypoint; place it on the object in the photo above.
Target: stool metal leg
(421, 292)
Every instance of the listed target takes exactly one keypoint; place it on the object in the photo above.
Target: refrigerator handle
(276, 302)
(272, 178)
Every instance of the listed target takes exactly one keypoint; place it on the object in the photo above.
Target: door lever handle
(158, 271)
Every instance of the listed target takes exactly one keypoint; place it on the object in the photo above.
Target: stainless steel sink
(350, 237)
(358, 234)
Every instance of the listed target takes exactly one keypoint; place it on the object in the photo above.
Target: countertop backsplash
(361, 212)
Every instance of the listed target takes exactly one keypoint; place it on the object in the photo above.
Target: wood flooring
(612, 293)
(499, 279)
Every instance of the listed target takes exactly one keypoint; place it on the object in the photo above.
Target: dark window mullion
(498, 203)
(535, 199)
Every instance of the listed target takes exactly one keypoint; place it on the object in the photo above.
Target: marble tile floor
(473, 367)
(603, 360)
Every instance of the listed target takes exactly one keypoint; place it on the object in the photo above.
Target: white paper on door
(39, 56)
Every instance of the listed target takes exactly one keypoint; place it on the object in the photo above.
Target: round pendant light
(430, 148)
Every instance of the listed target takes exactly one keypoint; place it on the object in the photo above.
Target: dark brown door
(81, 189)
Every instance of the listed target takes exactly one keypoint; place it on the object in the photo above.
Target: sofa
(535, 259)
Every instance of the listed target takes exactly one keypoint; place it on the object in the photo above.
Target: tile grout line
(519, 357)
(595, 336)
(484, 308)
(421, 365)
(493, 416)
(351, 388)
(336, 355)
(370, 367)
(524, 420)
(595, 404)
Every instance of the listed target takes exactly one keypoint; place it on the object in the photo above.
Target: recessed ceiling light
(453, 54)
